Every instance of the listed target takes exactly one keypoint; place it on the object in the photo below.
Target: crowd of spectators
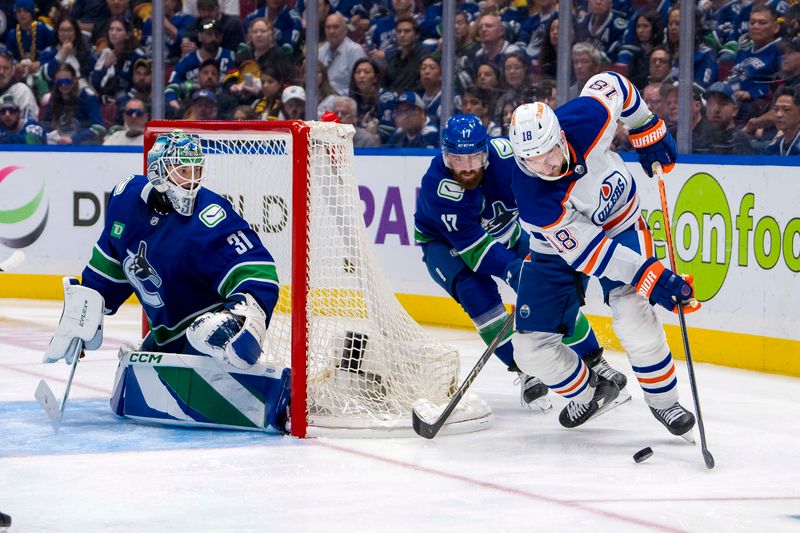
(80, 71)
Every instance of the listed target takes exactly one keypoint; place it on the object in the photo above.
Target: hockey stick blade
(44, 395)
(12, 261)
(429, 430)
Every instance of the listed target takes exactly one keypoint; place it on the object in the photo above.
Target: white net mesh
(367, 359)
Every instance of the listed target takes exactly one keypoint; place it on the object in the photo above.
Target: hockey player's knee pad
(443, 267)
(537, 353)
(635, 322)
(477, 293)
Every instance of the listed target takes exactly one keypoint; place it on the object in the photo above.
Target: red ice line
(51, 378)
(494, 486)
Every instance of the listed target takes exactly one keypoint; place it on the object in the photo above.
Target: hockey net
(358, 360)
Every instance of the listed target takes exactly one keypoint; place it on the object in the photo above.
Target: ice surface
(525, 473)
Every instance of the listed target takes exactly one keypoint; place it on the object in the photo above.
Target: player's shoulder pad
(500, 148)
(127, 193)
(545, 199)
(438, 184)
(501, 158)
(131, 185)
(213, 210)
(583, 120)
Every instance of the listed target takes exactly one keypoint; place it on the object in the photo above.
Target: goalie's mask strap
(158, 202)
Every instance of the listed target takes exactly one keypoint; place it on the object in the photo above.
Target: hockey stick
(430, 429)
(707, 457)
(44, 394)
(12, 261)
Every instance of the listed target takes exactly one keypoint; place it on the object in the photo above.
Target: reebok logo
(646, 285)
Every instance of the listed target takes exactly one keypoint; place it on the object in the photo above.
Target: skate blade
(621, 398)
(543, 404)
(688, 437)
(624, 396)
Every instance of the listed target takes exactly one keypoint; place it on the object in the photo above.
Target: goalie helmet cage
(358, 360)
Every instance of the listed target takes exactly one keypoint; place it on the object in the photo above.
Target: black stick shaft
(707, 457)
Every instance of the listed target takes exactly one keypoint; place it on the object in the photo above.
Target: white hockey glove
(81, 319)
(234, 335)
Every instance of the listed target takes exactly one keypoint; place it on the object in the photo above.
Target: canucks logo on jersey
(139, 271)
(502, 223)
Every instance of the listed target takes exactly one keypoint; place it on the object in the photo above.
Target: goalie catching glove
(664, 287)
(654, 144)
(234, 335)
(81, 323)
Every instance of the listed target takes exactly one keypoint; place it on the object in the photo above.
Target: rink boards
(735, 228)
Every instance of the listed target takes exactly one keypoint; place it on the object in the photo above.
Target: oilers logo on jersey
(138, 271)
(612, 189)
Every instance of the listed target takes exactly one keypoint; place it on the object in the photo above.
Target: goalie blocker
(197, 391)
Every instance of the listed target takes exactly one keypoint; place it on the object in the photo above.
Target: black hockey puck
(5, 521)
(643, 455)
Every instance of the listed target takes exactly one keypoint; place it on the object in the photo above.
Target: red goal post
(358, 360)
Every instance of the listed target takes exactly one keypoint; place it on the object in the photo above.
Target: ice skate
(605, 392)
(598, 363)
(677, 420)
(533, 392)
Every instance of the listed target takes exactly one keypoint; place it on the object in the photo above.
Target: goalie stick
(707, 457)
(430, 429)
(12, 261)
(44, 394)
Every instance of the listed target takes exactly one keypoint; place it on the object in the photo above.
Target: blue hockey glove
(654, 144)
(665, 288)
(511, 275)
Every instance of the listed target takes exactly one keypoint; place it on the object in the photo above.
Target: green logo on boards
(116, 229)
(706, 231)
(212, 215)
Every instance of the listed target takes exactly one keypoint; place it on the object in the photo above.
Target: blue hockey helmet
(464, 134)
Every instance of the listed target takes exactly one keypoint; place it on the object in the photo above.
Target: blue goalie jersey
(481, 224)
(179, 267)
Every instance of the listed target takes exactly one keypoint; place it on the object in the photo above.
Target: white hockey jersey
(577, 215)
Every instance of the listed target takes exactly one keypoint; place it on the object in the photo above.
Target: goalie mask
(539, 145)
(175, 166)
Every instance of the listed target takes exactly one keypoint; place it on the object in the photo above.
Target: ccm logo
(647, 283)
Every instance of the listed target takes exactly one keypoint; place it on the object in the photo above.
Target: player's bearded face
(467, 168)
(551, 163)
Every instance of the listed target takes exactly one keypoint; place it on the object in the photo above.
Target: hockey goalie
(208, 287)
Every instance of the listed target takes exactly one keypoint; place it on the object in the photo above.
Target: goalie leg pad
(196, 391)
(82, 318)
